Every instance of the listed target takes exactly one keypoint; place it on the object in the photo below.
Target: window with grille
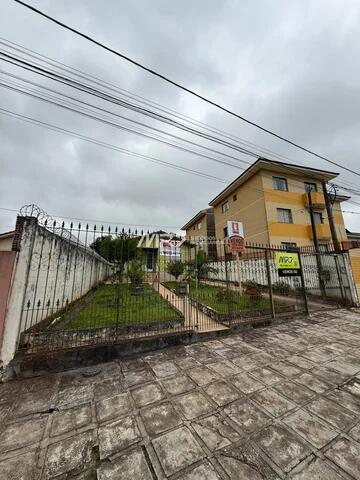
(280, 183)
(310, 187)
(288, 245)
(284, 215)
(225, 207)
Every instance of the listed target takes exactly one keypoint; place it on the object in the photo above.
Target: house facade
(202, 226)
(271, 199)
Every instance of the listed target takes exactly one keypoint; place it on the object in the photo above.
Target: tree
(119, 249)
(200, 266)
(176, 268)
(136, 274)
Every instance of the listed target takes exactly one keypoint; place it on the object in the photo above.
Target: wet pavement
(276, 402)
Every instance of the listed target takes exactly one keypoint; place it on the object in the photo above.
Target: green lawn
(114, 305)
(216, 297)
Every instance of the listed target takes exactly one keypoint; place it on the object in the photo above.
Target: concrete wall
(6, 243)
(51, 271)
(7, 262)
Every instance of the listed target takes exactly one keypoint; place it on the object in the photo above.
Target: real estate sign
(170, 248)
(287, 263)
(235, 232)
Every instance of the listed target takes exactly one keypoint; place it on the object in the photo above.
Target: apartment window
(225, 232)
(318, 218)
(280, 183)
(194, 227)
(225, 207)
(234, 197)
(310, 187)
(288, 245)
(199, 226)
(284, 215)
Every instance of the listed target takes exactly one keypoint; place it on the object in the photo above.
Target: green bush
(282, 287)
(252, 290)
(176, 268)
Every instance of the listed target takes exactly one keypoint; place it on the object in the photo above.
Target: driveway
(277, 402)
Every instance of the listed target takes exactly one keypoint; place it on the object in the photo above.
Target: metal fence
(97, 286)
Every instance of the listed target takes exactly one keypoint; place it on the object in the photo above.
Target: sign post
(236, 244)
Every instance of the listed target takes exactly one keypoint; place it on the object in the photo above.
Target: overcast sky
(290, 66)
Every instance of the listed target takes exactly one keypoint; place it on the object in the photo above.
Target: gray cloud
(292, 67)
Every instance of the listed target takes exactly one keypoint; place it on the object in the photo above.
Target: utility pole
(316, 243)
(330, 218)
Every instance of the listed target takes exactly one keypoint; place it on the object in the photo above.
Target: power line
(84, 88)
(100, 143)
(178, 85)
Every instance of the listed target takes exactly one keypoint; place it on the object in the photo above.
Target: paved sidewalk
(278, 402)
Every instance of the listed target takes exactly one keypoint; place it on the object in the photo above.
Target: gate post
(303, 285)
(341, 285)
(268, 273)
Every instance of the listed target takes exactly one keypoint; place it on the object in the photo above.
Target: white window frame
(276, 186)
(225, 207)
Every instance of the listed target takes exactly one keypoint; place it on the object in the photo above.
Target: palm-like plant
(200, 266)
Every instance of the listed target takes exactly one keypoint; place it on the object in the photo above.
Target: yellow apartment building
(270, 198)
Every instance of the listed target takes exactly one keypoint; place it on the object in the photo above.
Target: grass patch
(221, 300)
(114, 305)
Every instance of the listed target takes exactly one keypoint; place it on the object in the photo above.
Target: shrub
(224, 295)
(252, 290)
(282, 287)
(176, 268)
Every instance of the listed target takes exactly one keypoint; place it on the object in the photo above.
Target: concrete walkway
(281, 402)
(194, 317)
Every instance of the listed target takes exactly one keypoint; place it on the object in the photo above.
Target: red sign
(236, 244)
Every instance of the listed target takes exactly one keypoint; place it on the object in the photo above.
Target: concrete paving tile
(165, 369)
(224, 368)
(136, 377)
(243, 462)
(301, 362)
(221, 392)
(355, 432)
(333, 413)
(353, 387)
(273, 402)
(108, 388)
(345, 454)
(344, 367)
(177, 450)
(66, 420)
(130, 466)
(202, 375)
(329, 375)
(113, 407)
(178, 384)
(74, 395)
(267, 376)
(193, 404)
(70, 455)
(312, 382)
(227, 352)
(215, 432)
(246, 383)
(284, 448)
(32, 402)
(286, 369)
(295, 392)
(147, 394)
(317, 470)
(133, 364)
(345, 399)
(247, 416)
(20, 434)
(22, 467)
(310, 428)
(159, 418)
(115, 436)
(187, 361)
(204, 471)
(247, 363)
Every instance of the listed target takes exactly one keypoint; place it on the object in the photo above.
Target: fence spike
(45, 223)
(54, 224)
(38, 303)
(109, 229)
(79, 226)
(123, 230)
(94, 228)
(136, 232)
(102, 228)
(116, 230)
(142, 232)
(63, 225)
(28, 304)
(71, 225)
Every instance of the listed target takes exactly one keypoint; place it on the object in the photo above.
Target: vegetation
(119, 249)
(176, 268)
(115, 305)
(223, 300)
(282, 287)
(200, 266)
(135, 272)
(252, 290)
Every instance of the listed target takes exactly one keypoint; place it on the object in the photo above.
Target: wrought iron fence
(87, 286)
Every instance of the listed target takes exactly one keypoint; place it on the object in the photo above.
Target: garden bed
(226, 306)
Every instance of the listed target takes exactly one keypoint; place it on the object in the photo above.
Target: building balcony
(323, 232)
(317, 199)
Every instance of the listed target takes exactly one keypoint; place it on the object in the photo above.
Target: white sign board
(170, 248)
(235, 232)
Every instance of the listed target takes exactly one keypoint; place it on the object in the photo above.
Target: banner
(235, 232)
(170, 248)
(287, 263)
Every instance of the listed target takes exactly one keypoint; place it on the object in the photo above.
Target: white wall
(50, 272)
